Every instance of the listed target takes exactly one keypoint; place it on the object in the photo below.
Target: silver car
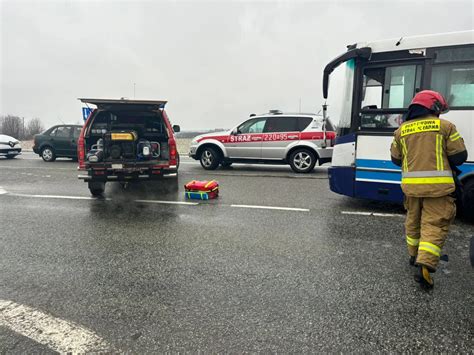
(9, 147)
(273, 138)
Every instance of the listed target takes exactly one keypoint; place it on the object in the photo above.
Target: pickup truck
(126, 140)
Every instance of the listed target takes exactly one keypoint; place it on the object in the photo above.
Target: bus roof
(420, 42)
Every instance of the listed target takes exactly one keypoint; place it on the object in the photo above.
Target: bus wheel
(302, 160)
(468, 201)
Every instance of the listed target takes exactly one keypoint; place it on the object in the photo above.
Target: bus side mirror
(176, 128)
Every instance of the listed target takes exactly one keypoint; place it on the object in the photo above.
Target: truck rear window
(143, 122)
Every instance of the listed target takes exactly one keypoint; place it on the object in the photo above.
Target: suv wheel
(302, 160)
(210, 159)
(96, 188)
(48, 155)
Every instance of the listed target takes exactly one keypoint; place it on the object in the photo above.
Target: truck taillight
(173, 152)
(81, 152)
(81, 146)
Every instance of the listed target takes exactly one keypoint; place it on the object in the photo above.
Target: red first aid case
(203, 190)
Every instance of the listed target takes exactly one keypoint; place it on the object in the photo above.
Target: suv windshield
(252, 126)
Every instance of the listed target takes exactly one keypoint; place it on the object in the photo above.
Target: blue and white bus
(381, 79)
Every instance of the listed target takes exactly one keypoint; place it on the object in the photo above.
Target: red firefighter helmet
(431, 100)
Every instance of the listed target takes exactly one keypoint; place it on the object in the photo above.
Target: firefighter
(428, 149)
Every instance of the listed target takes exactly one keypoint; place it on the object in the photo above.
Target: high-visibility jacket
(423, 146)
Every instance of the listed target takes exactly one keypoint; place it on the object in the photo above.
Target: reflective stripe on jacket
(423, 146)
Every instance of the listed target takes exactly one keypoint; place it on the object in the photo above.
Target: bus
(381, 79)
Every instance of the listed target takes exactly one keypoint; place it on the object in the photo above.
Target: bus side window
(455, 82)
(372, 90)
(453, 75)
(390, 87)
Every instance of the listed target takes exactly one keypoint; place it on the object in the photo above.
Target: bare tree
(12, 126)
(35, 126)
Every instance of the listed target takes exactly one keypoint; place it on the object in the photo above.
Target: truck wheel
(48, 154)
(96, 188)
(471, 251)
(302, 160)
(468, 200)
(209, 158)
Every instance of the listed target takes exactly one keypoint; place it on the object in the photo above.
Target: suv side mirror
(176, 128)
(235, 131)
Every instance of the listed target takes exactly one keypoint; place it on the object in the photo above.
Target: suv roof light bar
(275, 112)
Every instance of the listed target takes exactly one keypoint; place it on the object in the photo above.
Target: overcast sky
(214, 61)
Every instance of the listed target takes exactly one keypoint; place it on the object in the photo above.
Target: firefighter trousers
(426, 226)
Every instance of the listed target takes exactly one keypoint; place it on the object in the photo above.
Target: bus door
(385, 94)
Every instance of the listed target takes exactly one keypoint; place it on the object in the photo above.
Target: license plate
(117, 166)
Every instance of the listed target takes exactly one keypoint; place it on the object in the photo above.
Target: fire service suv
(297, 139)
(125, 140)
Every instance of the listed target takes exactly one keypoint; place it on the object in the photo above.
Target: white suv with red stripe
(297, 139)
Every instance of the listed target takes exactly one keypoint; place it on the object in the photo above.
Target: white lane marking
(2, 191)
(162, 202)
(55, 196)
(168, 202)
(376, 214)
(108, 199)
(72, 169)
(272, 208)
(57, 334)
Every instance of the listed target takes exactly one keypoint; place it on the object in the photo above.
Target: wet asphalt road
(153, 277)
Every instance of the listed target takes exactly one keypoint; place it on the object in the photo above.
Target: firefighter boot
(412, 260)
(424, 278)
